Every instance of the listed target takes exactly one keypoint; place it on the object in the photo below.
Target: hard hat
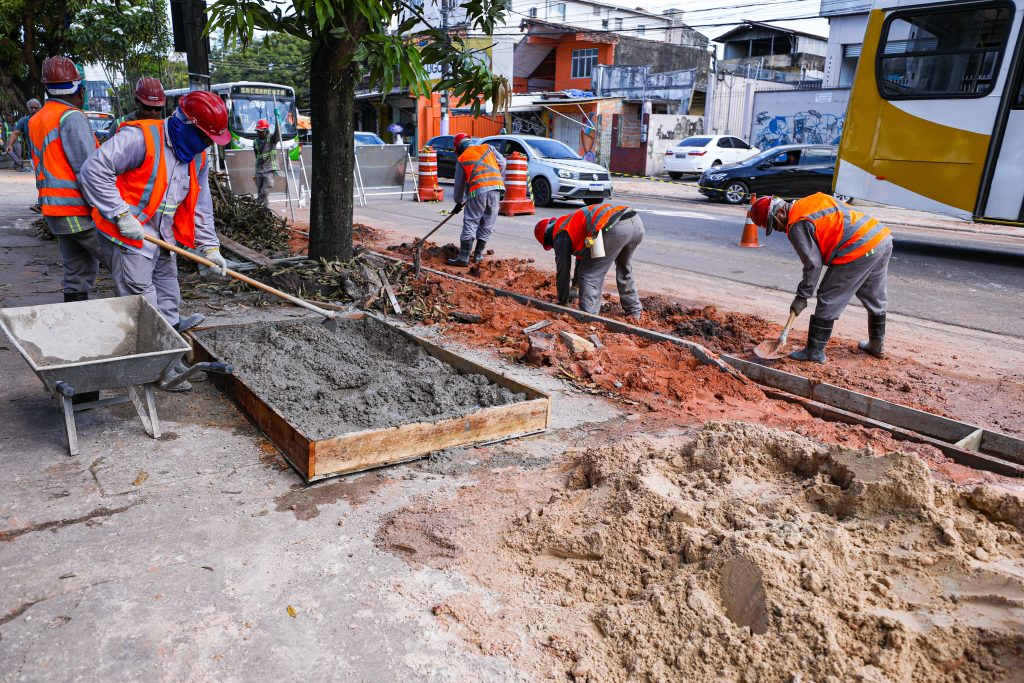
(33, 101)
(150, 92)
(208, 113)
(540, 232)
(263, 124)
(60, 75)
(759, 211)
(461, 141)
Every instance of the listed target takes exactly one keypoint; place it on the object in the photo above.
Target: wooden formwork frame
(316, 459)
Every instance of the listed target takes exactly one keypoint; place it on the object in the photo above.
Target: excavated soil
(741, 554)
(996, 403)
(364, 376)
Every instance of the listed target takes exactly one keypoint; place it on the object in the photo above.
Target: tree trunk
(332, 101)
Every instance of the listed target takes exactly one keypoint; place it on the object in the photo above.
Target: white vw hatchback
(694, 155)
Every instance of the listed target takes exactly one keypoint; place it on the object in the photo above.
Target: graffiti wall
(790, 117)
(663, 132)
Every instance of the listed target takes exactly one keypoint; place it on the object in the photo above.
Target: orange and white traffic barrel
(427, 189)
(517, 175)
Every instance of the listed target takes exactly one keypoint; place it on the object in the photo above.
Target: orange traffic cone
(749, 238)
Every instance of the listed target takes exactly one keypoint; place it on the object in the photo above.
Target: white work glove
(213, 254)
(130, 227)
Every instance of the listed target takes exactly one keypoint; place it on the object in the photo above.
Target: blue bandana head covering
(186, 139)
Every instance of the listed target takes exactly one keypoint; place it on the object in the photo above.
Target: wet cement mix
(364, 376)
(742, 553)
(995, 403)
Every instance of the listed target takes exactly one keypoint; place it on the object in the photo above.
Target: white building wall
(591, 16)
(843, 30)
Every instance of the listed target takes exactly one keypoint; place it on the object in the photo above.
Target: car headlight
(715, 177)
(568, 175)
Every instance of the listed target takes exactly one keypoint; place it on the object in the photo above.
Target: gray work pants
(620, 241)
(155, 278)
(81, 254)
(866, 277)
(479, 216)
(264, 184)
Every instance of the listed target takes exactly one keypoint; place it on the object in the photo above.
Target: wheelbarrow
(104, 344)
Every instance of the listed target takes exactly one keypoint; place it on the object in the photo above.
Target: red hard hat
(540, 229)
(263, 124)
(459, 137)
(150, 92)
(208, 113)
(59, 70)
(759, 211)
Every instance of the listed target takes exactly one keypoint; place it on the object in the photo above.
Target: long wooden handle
(436, 228)
(785, 330)
(241, 278)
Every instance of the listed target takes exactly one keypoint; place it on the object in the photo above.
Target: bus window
(942, 53)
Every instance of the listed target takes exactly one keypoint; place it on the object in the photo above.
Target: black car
(444, 145)
(788, 171)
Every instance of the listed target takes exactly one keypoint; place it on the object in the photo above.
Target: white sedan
(696, 154)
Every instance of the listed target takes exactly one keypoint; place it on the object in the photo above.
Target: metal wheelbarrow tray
(94, 345)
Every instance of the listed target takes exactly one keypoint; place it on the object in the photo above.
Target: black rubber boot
(818, 335)
(478, 254)
(875, 345)
(75, 296)
(462, 260)
(188, 322)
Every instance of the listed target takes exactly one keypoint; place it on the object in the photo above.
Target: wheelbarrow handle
(330, 315)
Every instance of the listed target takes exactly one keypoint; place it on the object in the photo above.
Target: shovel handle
(330, 315)
(785, 330)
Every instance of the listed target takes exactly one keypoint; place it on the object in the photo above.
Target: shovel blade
(771, 349)
(331, 324)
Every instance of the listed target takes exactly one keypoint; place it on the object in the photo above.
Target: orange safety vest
(59, 194)
(482, 170)
(587, 222)
(843, 235)
(143, 189)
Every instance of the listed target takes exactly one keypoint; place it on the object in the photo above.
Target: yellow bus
(936, 115)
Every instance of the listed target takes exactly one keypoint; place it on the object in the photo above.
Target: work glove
(798, 305)
(277, 114)
(458, 207)
(213, 254)
(130, 227)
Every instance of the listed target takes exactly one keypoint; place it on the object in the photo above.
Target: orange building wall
(428, 118)
(563, 62)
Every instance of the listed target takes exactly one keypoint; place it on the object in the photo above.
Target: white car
(556, 172)
(696, 154)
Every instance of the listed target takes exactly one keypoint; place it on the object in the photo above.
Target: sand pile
(747, 554)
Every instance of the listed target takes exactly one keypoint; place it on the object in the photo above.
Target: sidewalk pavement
(686, 190)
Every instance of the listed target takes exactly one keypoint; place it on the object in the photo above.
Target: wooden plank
(375, 448)
(245, 252)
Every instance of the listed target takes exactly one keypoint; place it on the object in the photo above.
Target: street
(943, 276)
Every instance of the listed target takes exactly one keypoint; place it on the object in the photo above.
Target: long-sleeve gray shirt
(801, 236)
(460, 176)
(78, 141)
(266, 151)
(127, 150)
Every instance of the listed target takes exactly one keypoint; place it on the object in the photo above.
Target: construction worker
(61, 140)
(265, 148)
(621, 232)
(856, 249)
(149, 104)
(478, 189)
(152, 178)
(17, 141)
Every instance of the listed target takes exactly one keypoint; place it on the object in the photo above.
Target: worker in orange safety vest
(576, 234)
(478, 188)
(61, 139)
(854, 247)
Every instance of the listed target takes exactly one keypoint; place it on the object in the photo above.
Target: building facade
(847, 20)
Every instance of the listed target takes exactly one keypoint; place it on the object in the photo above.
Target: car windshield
(246, 111)
(694, 142)
(552, 149)
(368, 139)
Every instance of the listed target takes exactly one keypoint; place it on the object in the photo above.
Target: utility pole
(188, 20)
(445, 9)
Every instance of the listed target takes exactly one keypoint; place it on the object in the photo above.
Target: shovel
(330, 317)
(772, 349)
(419, 243)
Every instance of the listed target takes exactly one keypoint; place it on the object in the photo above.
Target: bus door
(1005, 198)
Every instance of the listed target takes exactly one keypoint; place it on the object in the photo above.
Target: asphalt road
(934, 275)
